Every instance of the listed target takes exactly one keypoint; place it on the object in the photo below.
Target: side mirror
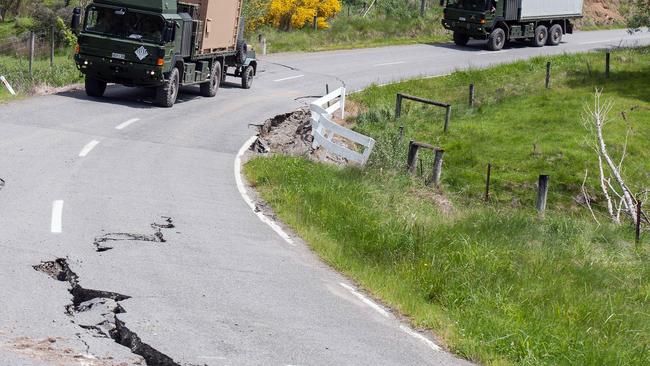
(169, 33)
(76, 20)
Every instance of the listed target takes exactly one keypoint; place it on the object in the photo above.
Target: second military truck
(163, 45)
(540, 22)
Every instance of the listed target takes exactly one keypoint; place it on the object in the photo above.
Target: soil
(603, 12)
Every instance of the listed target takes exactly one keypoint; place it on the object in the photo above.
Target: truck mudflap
(119, 71)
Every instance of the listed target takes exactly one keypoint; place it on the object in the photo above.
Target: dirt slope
(604, 12)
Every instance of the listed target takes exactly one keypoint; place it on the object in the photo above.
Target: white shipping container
(532, 9)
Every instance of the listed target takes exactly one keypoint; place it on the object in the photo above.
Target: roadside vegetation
(495, 281)
(18, 19)
(356, 31)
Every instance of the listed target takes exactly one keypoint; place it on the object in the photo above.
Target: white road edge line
(390, 63)
(124, 125)
(57, 216)
(420, 337)
(596, 42)
(366, 300)
(242, 191)
(290, 78)
(88, 148)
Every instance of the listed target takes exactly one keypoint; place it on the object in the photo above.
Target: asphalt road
(223, 289)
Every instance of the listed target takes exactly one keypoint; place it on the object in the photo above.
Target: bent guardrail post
(7, 85)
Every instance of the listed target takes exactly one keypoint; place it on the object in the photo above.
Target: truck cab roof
(158, 6)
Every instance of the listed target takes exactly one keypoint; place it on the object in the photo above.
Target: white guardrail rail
(325, 130)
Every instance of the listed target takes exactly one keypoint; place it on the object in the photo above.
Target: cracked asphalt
(223, 288)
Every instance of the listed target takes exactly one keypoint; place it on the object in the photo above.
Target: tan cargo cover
(220, 20)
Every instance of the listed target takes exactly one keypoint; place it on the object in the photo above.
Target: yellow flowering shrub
(295, 14)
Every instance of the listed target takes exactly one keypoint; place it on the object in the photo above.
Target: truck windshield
(473, 5)
(122, 23)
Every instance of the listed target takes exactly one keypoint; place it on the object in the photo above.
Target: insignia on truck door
(141, 53)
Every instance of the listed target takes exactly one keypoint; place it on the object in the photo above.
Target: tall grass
(16, 70)
(495, 281)
(356, 31)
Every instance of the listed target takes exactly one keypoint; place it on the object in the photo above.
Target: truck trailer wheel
(167, 93)
(496, 40)
(94, 88)
(209, 89)
(541, 36)
(461, 39)
(554, 35)
(247, 77)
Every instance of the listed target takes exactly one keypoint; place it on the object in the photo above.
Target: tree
(292, 14)
(640, 16)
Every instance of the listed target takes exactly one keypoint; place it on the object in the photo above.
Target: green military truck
(163, 45)
(540, 22)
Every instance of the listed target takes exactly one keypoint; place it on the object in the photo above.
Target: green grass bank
(346, 32)
(16, 70)
(495, 281)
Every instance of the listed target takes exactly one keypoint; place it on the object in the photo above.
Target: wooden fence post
(401, 134)
(263, 44)
(607, 63)
(422, 7)
(316, 23)
(32, 40)
(437, 167)
(638, 221)
(542, 193)
(548, 75)
(398, 106)
(447, 118)
(471, 95)
(411, 163)
(52, 46)
(487, 182)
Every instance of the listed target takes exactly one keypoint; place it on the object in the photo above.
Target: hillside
(604, 12)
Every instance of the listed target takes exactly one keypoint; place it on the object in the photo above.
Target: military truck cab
(499, 21)
(162, 44)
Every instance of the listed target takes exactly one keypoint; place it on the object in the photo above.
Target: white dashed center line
(126, 124)
(290, 78)
(88, 148)
(57, 216)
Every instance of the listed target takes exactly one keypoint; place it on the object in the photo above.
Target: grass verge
(16, 70)
(356, 32)
(499, 284)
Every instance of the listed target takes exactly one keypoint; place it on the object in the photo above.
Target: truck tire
(461, 39)
(95, 88)
(541, 36)
(496, 39)
(247, 77)
(554, 35)
(210, 88)
(167, 93)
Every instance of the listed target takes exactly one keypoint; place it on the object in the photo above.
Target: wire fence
(506, 184)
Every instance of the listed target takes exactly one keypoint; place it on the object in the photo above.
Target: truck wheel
(95, 88)
(461, 39)
(167, 93)
(209, 89)
(554, 35)
(496, 40)
(541, 35)
(247, 77)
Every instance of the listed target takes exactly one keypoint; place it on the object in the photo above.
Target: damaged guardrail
(330, 136)
(7, 85)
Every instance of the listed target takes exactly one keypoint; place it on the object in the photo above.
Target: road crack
(157, 237)
(97, 311)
